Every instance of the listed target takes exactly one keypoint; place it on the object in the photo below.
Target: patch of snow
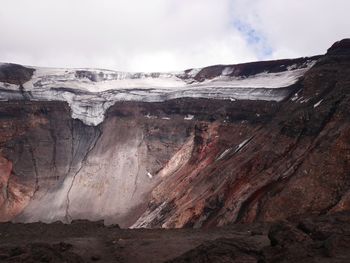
(294, 66)
(8, 86)
(194, 72)
(295, 97)
(227, 71)
(165, 118)
(242, 144)
(223, 154)
(149, 116)
(318, 104)
(304, 100)
(189, 117)
(150, 176)
(237, 149)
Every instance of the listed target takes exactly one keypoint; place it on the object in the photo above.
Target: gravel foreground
(311, 239)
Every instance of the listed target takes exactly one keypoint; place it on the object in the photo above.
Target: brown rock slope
(296, 162)
(182, 163)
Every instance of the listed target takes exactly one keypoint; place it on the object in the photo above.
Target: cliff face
(195, 161)
(297, 162)
(68, 170)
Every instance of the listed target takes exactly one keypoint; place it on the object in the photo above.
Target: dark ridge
(251, 68)
(202, 109)
(341, 47)
(15, 74)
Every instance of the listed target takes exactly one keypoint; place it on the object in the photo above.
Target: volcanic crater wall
(295, 162)
(70, 170)
(187, 162)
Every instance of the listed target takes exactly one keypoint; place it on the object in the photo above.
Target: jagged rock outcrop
(306, 239)
(297, 162)
(240, 143)
(315, 239)
(40, 252)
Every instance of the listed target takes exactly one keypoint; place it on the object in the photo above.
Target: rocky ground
(215, 169)
(311, 239)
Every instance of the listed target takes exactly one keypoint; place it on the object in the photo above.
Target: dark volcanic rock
(15, 74)
(40, 252)
(221, 250)
(310, 246)
(288, 244)
(306, 239)
(283, 234)
(252, 68)
(186, 162)
(295, 162)
(341, 47)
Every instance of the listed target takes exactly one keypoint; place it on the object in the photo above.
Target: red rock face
(15, 194)
(186, 162)
(296, 163)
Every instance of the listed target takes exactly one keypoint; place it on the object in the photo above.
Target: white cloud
(161, 35)
(297, 28)
(121, 34)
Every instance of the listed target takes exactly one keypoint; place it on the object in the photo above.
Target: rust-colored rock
(187, 162)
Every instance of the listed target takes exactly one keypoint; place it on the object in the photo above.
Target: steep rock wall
(187, 162)
(70, 170)
(297, 162)
(76, 171)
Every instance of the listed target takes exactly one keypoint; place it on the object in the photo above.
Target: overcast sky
(163, 35)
